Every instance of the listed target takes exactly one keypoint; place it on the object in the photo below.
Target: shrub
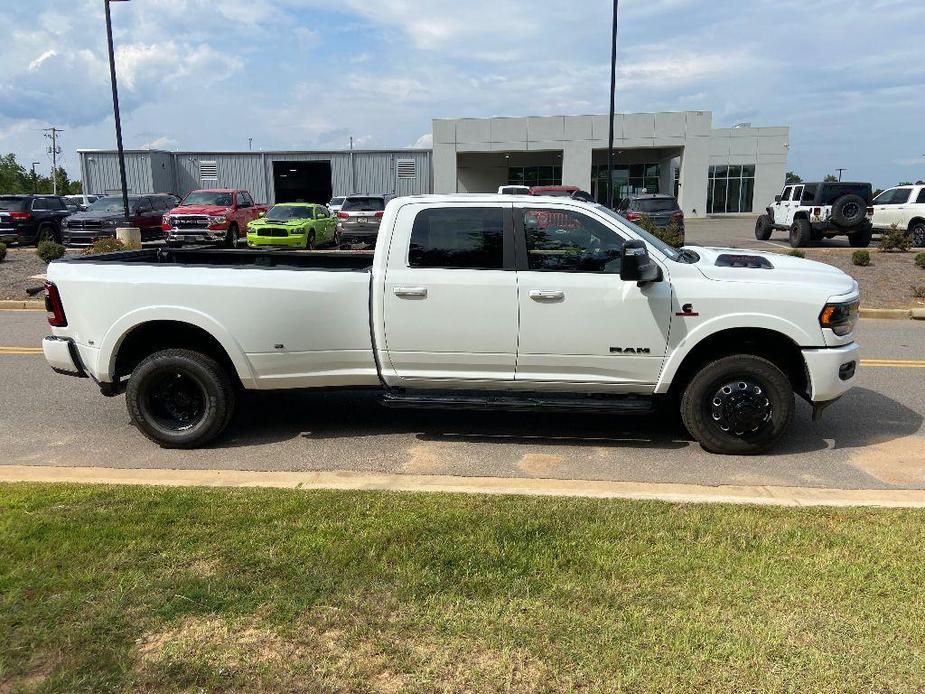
(895, 239)
(671, 234)
(109, 245)
(3, 252)
(920, 260)
(797, 253)
(918, 291)
(49, 250)
(861, 258)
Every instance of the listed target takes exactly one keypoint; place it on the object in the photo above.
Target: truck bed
(334, 261)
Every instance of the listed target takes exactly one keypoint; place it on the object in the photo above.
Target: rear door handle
(547, 294)
(411, 291)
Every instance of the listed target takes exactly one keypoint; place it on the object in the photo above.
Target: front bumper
(8, 236)
(196, 235)
(62, 356)
(291, 241)
(831, 371)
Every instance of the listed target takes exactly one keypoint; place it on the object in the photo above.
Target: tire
(849, 211)
(917, 233)
(231, 238)
(860, 238)
(763, 228)
(310, 240)
(801, 233)
(179, 398)
(46, 232)
(753, 419)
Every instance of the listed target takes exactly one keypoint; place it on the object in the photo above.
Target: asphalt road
(739, 232)
(872, 438)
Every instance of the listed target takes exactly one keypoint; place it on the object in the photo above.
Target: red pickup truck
(216, 215)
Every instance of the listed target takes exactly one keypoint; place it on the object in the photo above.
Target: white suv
(903, 206)
(814, 211)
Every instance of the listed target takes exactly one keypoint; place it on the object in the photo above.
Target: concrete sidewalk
(344, 480)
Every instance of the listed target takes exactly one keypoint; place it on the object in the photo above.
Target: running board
(518, 402)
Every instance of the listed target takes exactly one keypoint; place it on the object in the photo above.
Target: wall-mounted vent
(407, 168)
(208, 171)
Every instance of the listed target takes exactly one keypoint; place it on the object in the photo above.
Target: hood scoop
(756, 262)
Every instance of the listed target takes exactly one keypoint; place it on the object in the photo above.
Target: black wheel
(337, 240)
(917, 232)
(849, 211)
(763, 228)
(46, 232)
(737, 405)
(179, 398)
(310, 240)
(801, 233)
(231, 238)
(860, 238)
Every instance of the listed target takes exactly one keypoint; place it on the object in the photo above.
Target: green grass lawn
(143, 588)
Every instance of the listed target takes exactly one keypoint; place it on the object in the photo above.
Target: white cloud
(37, 63)
(162, 142)
(425, 141)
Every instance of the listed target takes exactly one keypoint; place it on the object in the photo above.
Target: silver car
(359, 218)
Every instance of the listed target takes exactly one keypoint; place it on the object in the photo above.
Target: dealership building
(710, 170)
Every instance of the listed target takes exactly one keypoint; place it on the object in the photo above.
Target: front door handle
(547, 294)
(420, 292)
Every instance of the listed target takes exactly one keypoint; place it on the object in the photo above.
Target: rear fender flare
(112, 341)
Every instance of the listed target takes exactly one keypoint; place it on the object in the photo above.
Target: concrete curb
(22, 305)
(360, 481)
(881, 313)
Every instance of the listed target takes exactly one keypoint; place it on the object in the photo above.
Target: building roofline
(401, 150)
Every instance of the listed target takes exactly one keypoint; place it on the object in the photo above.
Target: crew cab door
(780, 207)
(579, 322)
(450, 296)
(890, 206)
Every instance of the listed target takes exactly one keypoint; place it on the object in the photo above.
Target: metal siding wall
(376, 172)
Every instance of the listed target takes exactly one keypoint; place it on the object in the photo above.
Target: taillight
(817, 212)
(378, 214)
(633, 216)
(56, 318)
(342, 215)
(678, 215)
(870, 211)
(20, 215)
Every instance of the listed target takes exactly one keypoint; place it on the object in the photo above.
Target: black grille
(272, 232)
(190, 222)
(84, 224)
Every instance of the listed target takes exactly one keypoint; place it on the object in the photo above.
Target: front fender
(109, 347)
(698, 333)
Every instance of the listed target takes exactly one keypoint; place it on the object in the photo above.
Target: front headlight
(109, 222)
(64, 223)
(840, 318)
(217, 220)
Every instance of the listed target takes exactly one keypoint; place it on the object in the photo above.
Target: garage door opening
(302, 181)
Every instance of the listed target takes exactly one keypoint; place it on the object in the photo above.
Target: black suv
(102, 217)
(662, 209)
(31, 218)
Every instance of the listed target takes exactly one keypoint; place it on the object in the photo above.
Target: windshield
(14, 204)
(364, 204)
(109, 204)
(656, 205)
(337, 201)
(666, 250)
(283, 213)
(205, 197)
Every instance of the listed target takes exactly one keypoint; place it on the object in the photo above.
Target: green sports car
(292, 224)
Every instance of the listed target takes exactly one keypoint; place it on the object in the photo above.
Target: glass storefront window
(627, 179)
(534, 175)
(730, 188)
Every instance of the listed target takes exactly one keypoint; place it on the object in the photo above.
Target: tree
(905, 183)
(792, 178)
(830, 178)
(16, 178)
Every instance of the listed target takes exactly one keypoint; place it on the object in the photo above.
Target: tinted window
(40, 204)
(809, 192)
(363, 204)
(894, 196)
(921, 197)
(832, 191)
(205, 197)
(284, 213)
(14, 204)
(245, 200)
(797, 193)
(786, 194)
(321, 213)
(337, 201)
(458, 237)
(657, 205)
(565, 241)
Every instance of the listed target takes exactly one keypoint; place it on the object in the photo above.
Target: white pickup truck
(470, 301)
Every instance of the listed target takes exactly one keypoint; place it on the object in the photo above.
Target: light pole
(840, 172)
(34, 164)
(613, 96)
(115, 107)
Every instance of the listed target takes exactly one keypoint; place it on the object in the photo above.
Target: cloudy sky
(847, 76)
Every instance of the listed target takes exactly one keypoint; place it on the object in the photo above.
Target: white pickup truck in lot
(470, 301)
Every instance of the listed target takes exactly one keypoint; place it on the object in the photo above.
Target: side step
(518, 402)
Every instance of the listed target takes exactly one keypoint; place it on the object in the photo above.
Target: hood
(298, 221)
(211, 210)
(94, 215)
(784, 269)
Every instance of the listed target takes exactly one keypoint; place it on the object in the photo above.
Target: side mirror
(636, 265)
(777, 198)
